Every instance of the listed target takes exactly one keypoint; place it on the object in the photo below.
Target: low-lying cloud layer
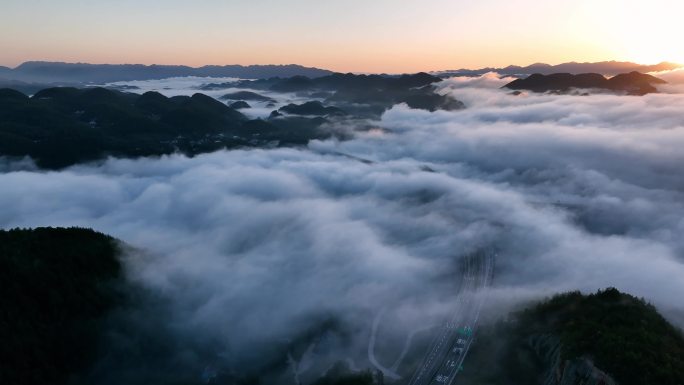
(187, 86)
(253, 248)
(675, 80)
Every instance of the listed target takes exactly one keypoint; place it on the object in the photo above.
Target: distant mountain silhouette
(363, 95)
(343, 82)
(606, 68)
(314, 108)
(58, 72)
(240, 104)
(633, 83)
(247, 95)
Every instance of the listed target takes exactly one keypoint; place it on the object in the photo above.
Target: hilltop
(633, 83)
(364, 95)
(59, 127)
(58, 285)
(606, 338)
(63, 126)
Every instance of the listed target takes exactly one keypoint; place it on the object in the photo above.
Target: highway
(445, 356)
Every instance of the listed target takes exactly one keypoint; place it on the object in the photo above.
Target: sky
(349, 35)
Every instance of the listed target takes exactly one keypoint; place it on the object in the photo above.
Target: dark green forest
(625, 336)
(57, 285)
(62, 126)
(622, 335)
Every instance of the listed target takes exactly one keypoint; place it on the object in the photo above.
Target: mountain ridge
(632, 83)
(62, 126)
(606, 68)
(52, 71)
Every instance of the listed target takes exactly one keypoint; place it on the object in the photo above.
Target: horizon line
(326, 69)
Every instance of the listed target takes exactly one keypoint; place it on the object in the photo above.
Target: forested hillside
(57, 285)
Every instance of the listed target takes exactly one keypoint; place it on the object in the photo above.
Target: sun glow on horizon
(637, 32)
(644, 50)
(349, 36)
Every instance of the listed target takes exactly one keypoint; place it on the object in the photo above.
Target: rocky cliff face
(578, 371)
(604, 338)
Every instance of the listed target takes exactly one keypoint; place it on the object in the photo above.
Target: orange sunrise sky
(351, 35)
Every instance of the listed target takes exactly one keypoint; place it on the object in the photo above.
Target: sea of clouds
(249, 250)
